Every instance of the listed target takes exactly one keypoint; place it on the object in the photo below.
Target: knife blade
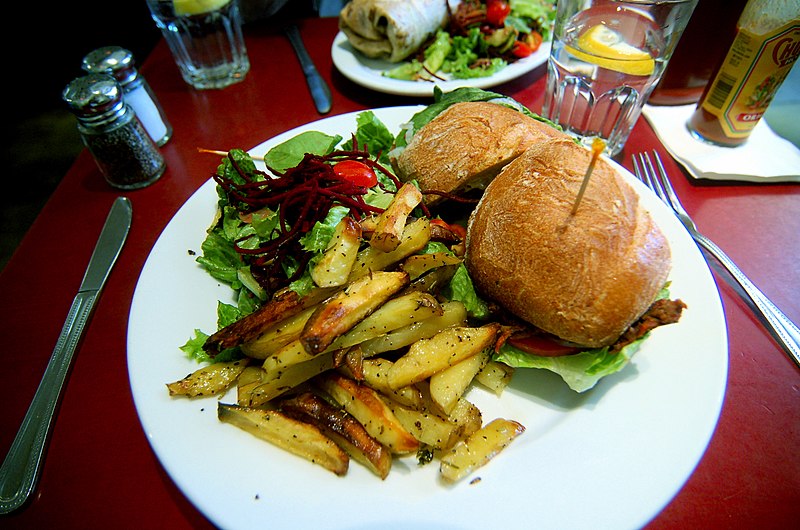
(20, 471)
(320, 92)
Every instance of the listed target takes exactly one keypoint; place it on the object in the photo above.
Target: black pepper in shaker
(124, 152)
(119, 63)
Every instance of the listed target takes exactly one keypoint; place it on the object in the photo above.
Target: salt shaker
(124, 152)
(119, 63)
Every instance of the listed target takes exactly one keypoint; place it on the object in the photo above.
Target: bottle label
(754, 68)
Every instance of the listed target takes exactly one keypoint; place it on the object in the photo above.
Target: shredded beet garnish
(302, 196)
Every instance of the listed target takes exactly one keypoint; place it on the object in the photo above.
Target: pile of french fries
(372, 364)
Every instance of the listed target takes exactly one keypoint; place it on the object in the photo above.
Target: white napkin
(765, 157)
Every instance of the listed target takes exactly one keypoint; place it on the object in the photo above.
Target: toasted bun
(466, 145)
(585, 277)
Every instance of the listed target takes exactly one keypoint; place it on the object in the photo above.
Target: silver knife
(21, 468)
(320, 92)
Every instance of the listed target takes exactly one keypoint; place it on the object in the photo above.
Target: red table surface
(100, 470)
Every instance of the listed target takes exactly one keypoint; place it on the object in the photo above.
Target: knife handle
(21, 469)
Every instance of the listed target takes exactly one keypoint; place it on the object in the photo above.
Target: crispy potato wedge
(468, 455)
(341, 427)
(447, 386)
(333, 269)
(453, 314)
(419, 264)
(375, 374)
(367, 407)
(447, 348)
(208, 380)
(278, 382)
(415, 236)
(297, 437)
(278, 335)
(426, 426)
(392, 221)
(340, 313)
(495, 376)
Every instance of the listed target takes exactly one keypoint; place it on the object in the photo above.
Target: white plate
(610, 458)
(369, 72)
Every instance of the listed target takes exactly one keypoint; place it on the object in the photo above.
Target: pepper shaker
(119, 63)
(122, 149)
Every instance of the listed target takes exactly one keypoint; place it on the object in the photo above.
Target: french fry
(495, 376)
(454, 314)
(448, 347)
(278, 335)
(249, 379)
(392, 221)
(419, 264)
(468, 455)
(467, 418)
(426, 426)
(340, 313)
(280, 381)
(376, 375)
(367, 407)
(447, 386)
(415, 236)
(297, 437)
(342, 428)
(208, 380)
(333, 269)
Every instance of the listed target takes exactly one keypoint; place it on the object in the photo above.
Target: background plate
(368, 72)
(612, 457)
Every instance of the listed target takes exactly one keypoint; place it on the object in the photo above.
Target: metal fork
(783, 329)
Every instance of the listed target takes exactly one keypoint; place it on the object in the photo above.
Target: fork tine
(667, 185)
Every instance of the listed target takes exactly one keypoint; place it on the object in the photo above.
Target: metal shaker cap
(112, 60)
(94, 98)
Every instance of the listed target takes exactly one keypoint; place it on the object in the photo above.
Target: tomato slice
(542, 345)
(497, 11)
(355, 172)
(521, 49)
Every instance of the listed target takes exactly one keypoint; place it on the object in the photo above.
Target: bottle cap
(95, 99)
(112, 60)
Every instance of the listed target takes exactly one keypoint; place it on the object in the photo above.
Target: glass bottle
(119, 63)
(122, 149)
(766, 45)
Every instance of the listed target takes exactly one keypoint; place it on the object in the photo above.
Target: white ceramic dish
(610, 458)
(369, 72)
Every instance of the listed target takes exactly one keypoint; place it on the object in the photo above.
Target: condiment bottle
(122, 149)
(700, 50)
(766, 45)
(119, 63)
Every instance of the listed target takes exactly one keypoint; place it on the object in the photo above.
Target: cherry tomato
(497, 11)
(541, 345)
(355, 172)
(521, 49)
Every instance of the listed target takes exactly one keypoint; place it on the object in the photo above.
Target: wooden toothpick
(597, 147)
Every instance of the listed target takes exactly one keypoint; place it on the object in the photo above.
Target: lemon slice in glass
(605, 47)
(197, 7)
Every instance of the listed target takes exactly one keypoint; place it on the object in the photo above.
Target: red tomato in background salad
(497, 11)
(356, 173)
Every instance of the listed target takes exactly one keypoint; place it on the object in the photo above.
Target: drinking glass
(607, 57)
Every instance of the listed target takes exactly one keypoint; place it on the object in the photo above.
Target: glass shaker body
(124, 152)
(119, 63)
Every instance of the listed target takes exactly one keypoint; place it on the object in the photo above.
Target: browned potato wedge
(392, 221)
(333, 269)
(280, 381)
(426, 426)
(419, 264)
(342, 428)
(297, 437)
(278, 335)
(339, 314)
(495, 376)
(376, 374)
(415, 236)
(447, 386)
(468, 455)
(368, 408)
(249, 379)
(208, 380)
(454, 314)
(448, 347)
